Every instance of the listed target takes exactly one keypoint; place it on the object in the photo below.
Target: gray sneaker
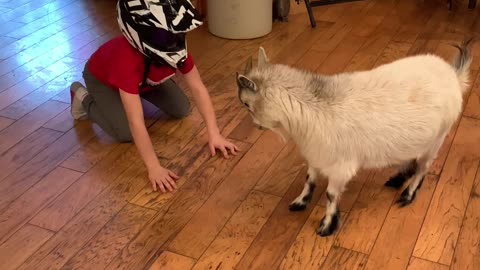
(76, 109)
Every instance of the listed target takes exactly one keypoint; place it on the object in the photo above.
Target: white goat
(395, 114)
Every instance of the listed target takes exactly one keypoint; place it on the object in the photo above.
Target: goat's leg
(422, 165)
(406, 172)
(300, 203)
(331, 220)
(409, 193)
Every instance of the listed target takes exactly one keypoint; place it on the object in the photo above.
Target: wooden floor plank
(282, 172)
(38, 167)
(104, 246)
(393, 51)
(234, 239)
(367, 215)
(419, 264)
(25, 207)
(195, 237)
(439, 233)
(63, 122)
(32, 121)
(246, 131)
(93, 152)
(344, 259)
(26, 149)
(40, 95)
(399, 233)
(467, 253)
(92, 183)
(472, 108)
(309, 251)
(88, 222)
(172, 261)
(5, 122)
(272, 242)
(28, 239)
(37, 80)
(187, 202)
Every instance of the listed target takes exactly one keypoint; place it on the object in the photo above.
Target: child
(140, 64)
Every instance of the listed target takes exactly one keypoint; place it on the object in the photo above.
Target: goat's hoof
(328, 229)
(405, 198)
(396, 181)
(296, 206)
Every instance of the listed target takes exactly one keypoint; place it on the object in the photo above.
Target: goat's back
(392, 113)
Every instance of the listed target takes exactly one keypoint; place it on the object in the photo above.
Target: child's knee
(123, 136)
(182, 111)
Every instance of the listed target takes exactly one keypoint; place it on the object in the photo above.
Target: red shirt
(119, 65)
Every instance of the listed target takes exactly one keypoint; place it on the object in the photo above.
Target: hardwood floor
(72, 198)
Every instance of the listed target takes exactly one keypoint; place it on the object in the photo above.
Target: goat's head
(253, 93)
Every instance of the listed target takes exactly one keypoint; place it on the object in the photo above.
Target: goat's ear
(244, 82)
(262, 57)
(248, 66)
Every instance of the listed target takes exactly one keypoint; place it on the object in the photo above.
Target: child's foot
(77, 93)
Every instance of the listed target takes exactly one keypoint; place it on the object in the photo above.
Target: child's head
(157, 27)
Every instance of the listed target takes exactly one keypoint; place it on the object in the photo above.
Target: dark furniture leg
(472, 4)
(317, 3)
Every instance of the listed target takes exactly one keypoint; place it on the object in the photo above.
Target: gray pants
(104, 106)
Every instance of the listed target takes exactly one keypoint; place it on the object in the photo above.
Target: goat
(396, 114)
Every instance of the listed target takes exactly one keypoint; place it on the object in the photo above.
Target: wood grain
(63, 122)
(309, 251)
(35, 119)
(172, 261)
(105, 245)
(88, 222)
(393, 51)
(399, 233)
(367, 215)
(473, 103)
(26, 149)
(344, 259)
(187, 202)
(468, 247)
(38, 167)
(5, 122)
(92, 183)
(28, 239)
(443, 221)
(272, 242)
(246, 131)
(195, 237)
(234, 239)
(282, 172)
(94, 151)
(419, 264)
(24, 208)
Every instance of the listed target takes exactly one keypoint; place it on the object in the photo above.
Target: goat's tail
(462, 63)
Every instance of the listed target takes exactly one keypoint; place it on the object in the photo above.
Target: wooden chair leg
(472, 4)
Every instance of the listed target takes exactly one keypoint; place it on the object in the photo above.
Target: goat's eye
(246, 104)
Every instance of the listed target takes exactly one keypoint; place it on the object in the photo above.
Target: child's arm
(204, 104)
(156, 173)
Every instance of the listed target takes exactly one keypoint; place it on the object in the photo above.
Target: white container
(239, 19)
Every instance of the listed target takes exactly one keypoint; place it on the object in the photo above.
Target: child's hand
(162, 177)
(217, 141)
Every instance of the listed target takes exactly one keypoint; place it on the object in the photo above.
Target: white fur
(389, 115)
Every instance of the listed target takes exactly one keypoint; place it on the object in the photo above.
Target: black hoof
(396, 181)
(327, 230)
(295, 206)
(405, 198)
